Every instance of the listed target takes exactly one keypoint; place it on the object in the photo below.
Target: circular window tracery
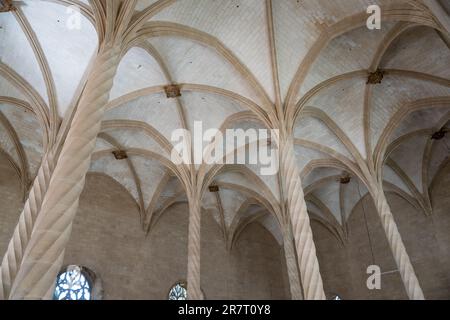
(178, 292)
(74, 283)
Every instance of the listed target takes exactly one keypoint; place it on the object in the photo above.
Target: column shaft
(291, 265)
(401, 257)
(304, 244)
(194, 291)
(44, 254)
(19, 241)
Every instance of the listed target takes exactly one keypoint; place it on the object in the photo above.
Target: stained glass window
(178, 292)
(72, 284)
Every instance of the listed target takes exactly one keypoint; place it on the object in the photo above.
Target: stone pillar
(304, 244)
(194, 291)
(19, 241)
(45, 252)
(401, 257)
(291, 264)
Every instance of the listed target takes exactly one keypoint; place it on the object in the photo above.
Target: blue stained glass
(178, 292)
(72, 285)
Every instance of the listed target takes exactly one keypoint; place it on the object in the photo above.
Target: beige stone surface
(106, 230)
(11, 203)
(426, 239)
(298, 66)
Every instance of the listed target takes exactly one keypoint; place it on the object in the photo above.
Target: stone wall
(11, 203)
(108, 239)
(427, 241)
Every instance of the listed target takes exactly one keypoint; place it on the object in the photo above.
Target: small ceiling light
(439, 135)
(375, 77)
(6, 6)
(213, 188)
(172, 91)
(345, 179)
(271, 144)
(120, 154)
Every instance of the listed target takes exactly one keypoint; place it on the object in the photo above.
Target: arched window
(76, 283)
(178, 292)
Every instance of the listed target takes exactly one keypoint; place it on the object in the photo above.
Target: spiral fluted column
(401, 257)
(44, 254)
(291, 265)
(19, 241)
(194, 291)
(304, 243)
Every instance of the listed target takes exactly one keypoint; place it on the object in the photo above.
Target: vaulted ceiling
(234, 60)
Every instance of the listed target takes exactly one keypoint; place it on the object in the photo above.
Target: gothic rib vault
(70, 98)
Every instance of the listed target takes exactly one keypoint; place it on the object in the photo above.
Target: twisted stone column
(19, 241)
(291, 264)
(44, 254)
(401, 257)
(304, 244)
(194, 291)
